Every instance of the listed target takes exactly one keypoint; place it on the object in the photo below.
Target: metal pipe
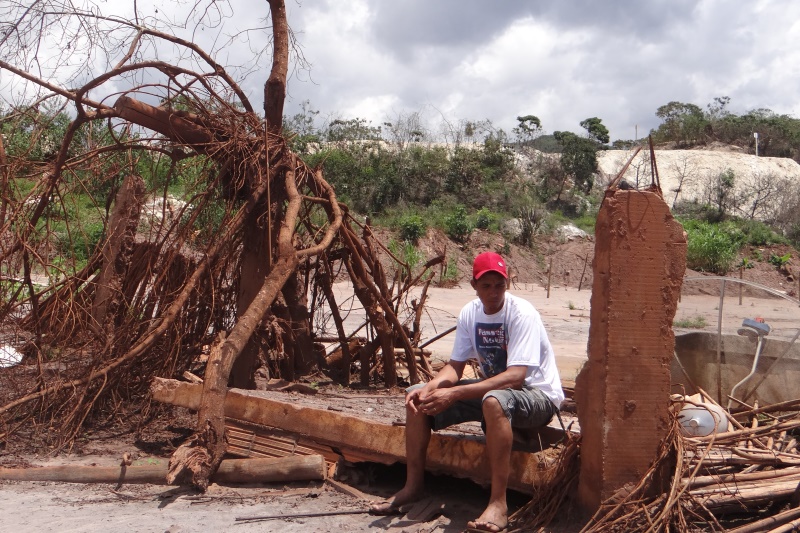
(752, 370)
(769, 370)
(719, 342)
(764, 288)
(759, 286)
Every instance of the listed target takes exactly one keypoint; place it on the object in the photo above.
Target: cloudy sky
(561, 60)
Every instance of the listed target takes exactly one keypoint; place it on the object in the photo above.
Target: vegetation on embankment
(522, 184)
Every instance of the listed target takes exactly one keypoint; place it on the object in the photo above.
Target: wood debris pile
(236, 277)
(746, 479)
(553, 490)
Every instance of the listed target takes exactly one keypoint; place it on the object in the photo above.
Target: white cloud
(471, 59)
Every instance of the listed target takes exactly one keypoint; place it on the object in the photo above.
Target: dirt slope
(571, 261)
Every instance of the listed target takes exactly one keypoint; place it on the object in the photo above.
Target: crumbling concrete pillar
(117, 251)
(622, 392)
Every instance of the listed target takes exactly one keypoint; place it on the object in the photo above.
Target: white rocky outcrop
(686, 174)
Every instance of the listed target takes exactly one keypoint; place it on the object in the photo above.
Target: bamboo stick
(794, 525)
(289, 516)
(700, 481)
(741, 434)
(731, 488)
(738, 500)
(753, 425)
(549, 275)
(780, 443)
(257, 470)
(761, 525)
(750, 469)
(791, 446)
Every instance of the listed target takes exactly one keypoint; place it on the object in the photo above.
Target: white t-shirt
(514, 336)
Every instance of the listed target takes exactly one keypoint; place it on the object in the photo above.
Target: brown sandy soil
(569, 263)
(35, 506)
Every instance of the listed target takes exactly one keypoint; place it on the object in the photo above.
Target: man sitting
(521, 387)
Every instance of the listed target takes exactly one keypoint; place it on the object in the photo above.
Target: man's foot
(384, 508)
(494, 519)
(480, 527)
(394, 505)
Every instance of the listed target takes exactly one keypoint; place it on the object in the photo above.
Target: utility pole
(755, 134)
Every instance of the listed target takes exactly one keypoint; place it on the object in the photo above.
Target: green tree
(722, 192)
(624, 144)
(405, 128)
(354, 129)
(34, 134)
(597, 131)
(717, 109)
(682, 123)
(528, 128)
(301, 128)
(578, 159)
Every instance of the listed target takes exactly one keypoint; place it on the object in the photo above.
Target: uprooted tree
(242, 273)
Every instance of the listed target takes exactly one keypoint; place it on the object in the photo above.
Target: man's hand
(438, 394)
(412, 400)
(436, 401)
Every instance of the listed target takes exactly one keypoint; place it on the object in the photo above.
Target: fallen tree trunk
(258, 470)
(199, 456)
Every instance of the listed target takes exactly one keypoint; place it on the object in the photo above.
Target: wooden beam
(460, 456)
(267, 470)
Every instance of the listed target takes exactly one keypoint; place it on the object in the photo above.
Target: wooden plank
(266, 470)
(460, 456)
(254, 440)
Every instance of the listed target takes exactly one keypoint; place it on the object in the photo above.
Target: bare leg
(418, 435)
(499, 439)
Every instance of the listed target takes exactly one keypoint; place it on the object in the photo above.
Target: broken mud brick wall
(623, 391)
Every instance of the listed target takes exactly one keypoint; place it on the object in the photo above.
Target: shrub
(457, 225)
(80, 243)
(408, 253)
(450, 274)
(697, 322)
(586, 222)
(484, 218)
(532, 220)
(733, 230)
(745, 263)
(694, 210)
(779, 261)
(793, 234)
(759, 234)
(412, 228)
(710, 249)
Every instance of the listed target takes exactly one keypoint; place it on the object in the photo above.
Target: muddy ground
(37, 506)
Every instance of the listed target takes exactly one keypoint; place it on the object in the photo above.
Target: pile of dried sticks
(746, 479)
(549, 497)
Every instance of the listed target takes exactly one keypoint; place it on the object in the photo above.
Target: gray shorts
(525, 408)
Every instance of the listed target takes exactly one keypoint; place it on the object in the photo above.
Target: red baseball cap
(489, 262)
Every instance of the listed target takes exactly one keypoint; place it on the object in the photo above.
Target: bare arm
(446, 378)
(437, 398)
